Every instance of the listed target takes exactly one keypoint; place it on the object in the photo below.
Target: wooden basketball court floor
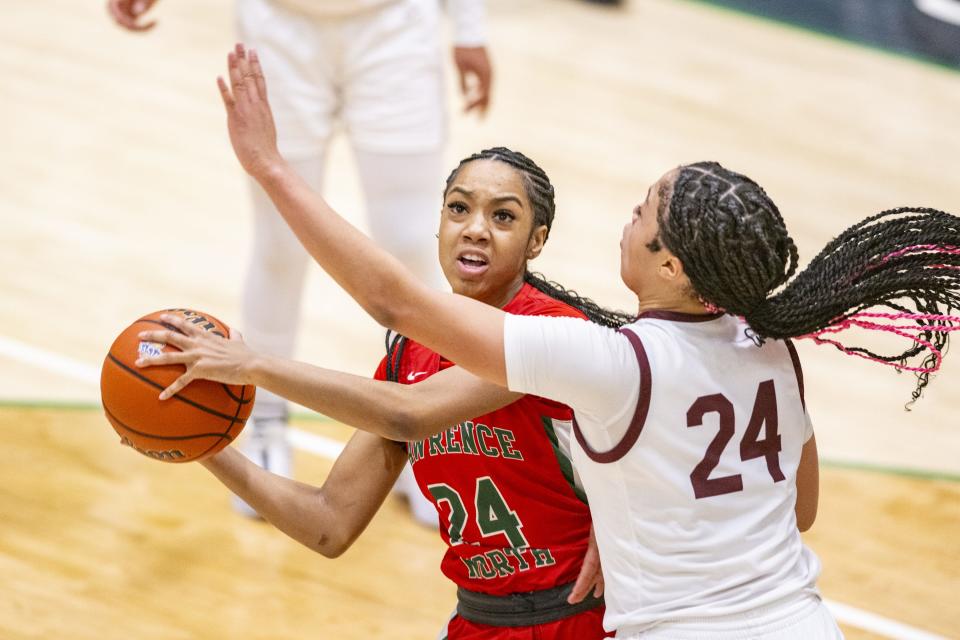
(119, 195)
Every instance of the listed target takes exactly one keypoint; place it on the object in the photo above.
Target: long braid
(896, 272)
(593, 311)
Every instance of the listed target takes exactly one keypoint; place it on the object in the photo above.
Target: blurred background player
(376, 68)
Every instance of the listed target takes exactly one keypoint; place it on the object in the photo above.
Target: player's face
(486, 232)
(640, 259)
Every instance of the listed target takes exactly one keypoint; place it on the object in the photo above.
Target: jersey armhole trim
(795, 358)
(639, 415)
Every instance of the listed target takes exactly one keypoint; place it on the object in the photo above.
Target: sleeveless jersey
(690, 468)
(510, 511)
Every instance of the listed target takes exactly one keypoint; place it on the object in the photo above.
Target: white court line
(328, 448)
(877, 624)
(22, 352)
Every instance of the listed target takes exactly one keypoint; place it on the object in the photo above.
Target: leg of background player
(270, 318)
(403, 208)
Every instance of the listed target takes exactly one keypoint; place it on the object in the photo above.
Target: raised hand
(249, 119)
(127, 12)
(206, 356)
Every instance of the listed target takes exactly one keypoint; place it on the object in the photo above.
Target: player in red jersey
(512, 514)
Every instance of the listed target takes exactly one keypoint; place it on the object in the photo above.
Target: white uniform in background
(375, 68)
(689, 441)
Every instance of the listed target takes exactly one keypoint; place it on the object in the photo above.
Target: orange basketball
(200, 420)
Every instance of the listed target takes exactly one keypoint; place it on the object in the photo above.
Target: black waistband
(522, 609)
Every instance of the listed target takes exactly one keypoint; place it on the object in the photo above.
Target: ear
(537, 239)
(671, 269)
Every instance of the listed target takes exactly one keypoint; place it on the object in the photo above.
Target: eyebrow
(506, 198)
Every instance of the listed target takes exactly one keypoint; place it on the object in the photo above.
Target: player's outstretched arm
(396, 411)
(327, 519)
(468, 332)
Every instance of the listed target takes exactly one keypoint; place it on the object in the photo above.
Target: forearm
(374, 278)
(383, 408)
(296, 509)
(398, 412)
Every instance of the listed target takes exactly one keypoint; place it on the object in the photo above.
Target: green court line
(786, 24)
(906, 472)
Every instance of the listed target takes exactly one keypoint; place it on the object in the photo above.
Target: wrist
(271, 171)
(256, 370)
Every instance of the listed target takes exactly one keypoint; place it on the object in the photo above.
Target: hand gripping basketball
(196, 417)
(206, 355)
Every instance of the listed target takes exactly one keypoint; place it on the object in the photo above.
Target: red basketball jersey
(510, 512)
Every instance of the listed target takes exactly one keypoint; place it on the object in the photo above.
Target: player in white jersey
(374, 67)
(694, 446)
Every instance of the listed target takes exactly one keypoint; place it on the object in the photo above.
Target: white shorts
(378, 74)
(798, 617)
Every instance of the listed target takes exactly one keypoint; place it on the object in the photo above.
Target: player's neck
(501, 298)
(683, 304)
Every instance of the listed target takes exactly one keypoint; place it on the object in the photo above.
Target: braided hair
(897, 271)
(540, 193)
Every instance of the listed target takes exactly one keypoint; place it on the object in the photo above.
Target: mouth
(472, 262)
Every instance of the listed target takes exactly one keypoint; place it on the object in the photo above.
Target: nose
(477, 228)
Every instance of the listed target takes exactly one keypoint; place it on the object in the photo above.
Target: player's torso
(504, 488)
(709, 485)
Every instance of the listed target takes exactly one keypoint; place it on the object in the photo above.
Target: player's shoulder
(530, 301)
(408, 356)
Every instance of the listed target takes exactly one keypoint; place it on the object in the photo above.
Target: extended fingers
(225, 94)
(168, 357)
(236, 78)
(166, 336)
(177, 386)
(257, 72)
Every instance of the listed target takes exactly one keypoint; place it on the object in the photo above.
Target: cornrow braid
(537, 185)
(897, 271)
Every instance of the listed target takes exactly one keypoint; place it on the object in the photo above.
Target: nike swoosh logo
(413, 376)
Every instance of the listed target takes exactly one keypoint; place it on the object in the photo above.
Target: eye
(457, 207)
(504, 215)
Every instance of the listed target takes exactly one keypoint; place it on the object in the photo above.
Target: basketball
(197, 422)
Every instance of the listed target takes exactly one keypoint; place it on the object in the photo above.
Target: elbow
(402, 425)
(805, 523)
(331, 550)
(383, 315)
(333, 544)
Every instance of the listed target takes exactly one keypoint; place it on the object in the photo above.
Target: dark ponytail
(896, 272)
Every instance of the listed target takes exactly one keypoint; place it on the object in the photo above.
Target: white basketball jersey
(694, 508)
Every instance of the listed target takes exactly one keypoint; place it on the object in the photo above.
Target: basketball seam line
(177, 396)
(159, 437)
